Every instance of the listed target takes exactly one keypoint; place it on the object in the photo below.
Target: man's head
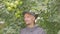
(29, 17)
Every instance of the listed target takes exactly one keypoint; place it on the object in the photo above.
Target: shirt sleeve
(43, 32)
(21, 32)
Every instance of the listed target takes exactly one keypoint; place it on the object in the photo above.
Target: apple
(9, 8)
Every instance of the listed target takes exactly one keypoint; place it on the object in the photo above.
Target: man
(29, 18)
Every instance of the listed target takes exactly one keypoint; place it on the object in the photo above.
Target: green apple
(21, 2)
(7, 3)
(9, 8)
(16, 2)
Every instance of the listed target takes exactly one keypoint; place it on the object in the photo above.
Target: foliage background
(11, 18)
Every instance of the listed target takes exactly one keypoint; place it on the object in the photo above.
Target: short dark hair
(31, 13)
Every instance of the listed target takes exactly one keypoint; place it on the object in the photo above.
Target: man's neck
(31, 25)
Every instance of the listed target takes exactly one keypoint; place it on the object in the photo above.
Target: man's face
(29, 19)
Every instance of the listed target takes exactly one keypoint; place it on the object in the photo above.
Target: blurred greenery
(11, 18)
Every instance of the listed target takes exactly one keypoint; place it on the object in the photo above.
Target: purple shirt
(35, 30)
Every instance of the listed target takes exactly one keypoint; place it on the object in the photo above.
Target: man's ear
(34, 18)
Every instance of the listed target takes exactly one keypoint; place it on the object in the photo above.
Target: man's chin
(27, 23)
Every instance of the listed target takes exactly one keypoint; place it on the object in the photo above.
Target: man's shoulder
(23, 29)
(40, 28)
